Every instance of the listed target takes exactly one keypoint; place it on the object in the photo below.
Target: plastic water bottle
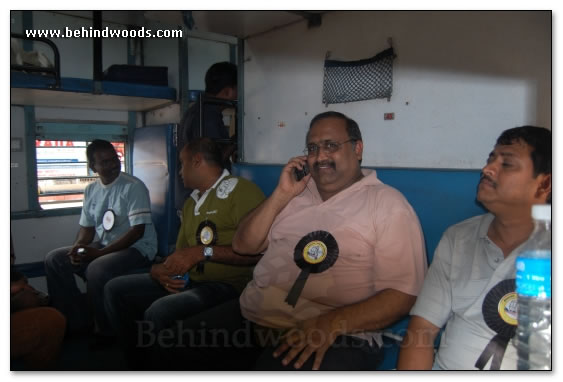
(533, 285)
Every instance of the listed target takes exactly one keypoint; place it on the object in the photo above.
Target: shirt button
(497, 260)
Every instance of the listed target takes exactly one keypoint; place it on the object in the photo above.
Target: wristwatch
(207, 252)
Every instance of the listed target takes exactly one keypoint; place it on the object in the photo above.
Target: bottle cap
(541, 212)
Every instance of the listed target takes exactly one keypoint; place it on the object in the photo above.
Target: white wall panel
(460, 78)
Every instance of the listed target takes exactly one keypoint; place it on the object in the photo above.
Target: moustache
(488, 179)
(316, 165)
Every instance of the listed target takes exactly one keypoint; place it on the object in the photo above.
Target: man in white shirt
(116, 208)
(469, 287)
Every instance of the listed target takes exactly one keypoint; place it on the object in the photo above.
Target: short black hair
(538, 138)
(97, 145)
(219, 76)
(352, 127)
(208, 148)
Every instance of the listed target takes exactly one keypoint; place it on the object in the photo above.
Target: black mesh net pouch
(350, 81)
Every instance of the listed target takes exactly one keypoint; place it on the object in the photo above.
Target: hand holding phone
(300, 174)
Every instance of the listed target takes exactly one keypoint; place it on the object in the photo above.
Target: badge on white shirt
(108, 220)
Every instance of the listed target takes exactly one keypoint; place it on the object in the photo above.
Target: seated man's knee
(97, 274)
(56, 257)
(156, 312)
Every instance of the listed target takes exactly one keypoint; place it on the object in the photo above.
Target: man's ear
(197, 159)
(544, 187)
(359, 150)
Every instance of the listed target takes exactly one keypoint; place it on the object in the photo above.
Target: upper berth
(38, 90)
(43, 86)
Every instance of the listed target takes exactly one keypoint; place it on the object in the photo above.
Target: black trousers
(221, 339)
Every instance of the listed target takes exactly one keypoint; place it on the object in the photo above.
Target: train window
(63, 172)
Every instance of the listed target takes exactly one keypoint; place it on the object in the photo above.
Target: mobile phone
(300, 174)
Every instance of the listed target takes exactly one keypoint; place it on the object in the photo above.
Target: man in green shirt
(203, 253)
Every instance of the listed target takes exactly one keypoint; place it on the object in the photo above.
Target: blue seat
(155, 158)
(440, 198)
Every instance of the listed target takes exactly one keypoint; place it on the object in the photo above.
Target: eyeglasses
(329, 147)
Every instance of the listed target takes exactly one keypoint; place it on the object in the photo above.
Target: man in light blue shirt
(116, 208)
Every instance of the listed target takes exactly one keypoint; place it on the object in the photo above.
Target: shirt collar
(199, 200)
(195, 193)
(484, 226)
(110, 184)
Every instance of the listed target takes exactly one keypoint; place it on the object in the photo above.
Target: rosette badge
(500, 314)
(314, 253)
(206, 235)
(108, 220)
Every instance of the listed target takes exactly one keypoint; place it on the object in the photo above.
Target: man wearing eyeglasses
(378, 271)
(343, 258)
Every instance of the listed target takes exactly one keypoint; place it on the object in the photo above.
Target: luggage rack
(56, 71)
(29, 87)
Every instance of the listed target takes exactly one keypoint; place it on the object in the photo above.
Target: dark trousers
(221, 339)
(68, 299)
(139, 308)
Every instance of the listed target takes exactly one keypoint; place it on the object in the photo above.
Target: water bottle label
(533, 277)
